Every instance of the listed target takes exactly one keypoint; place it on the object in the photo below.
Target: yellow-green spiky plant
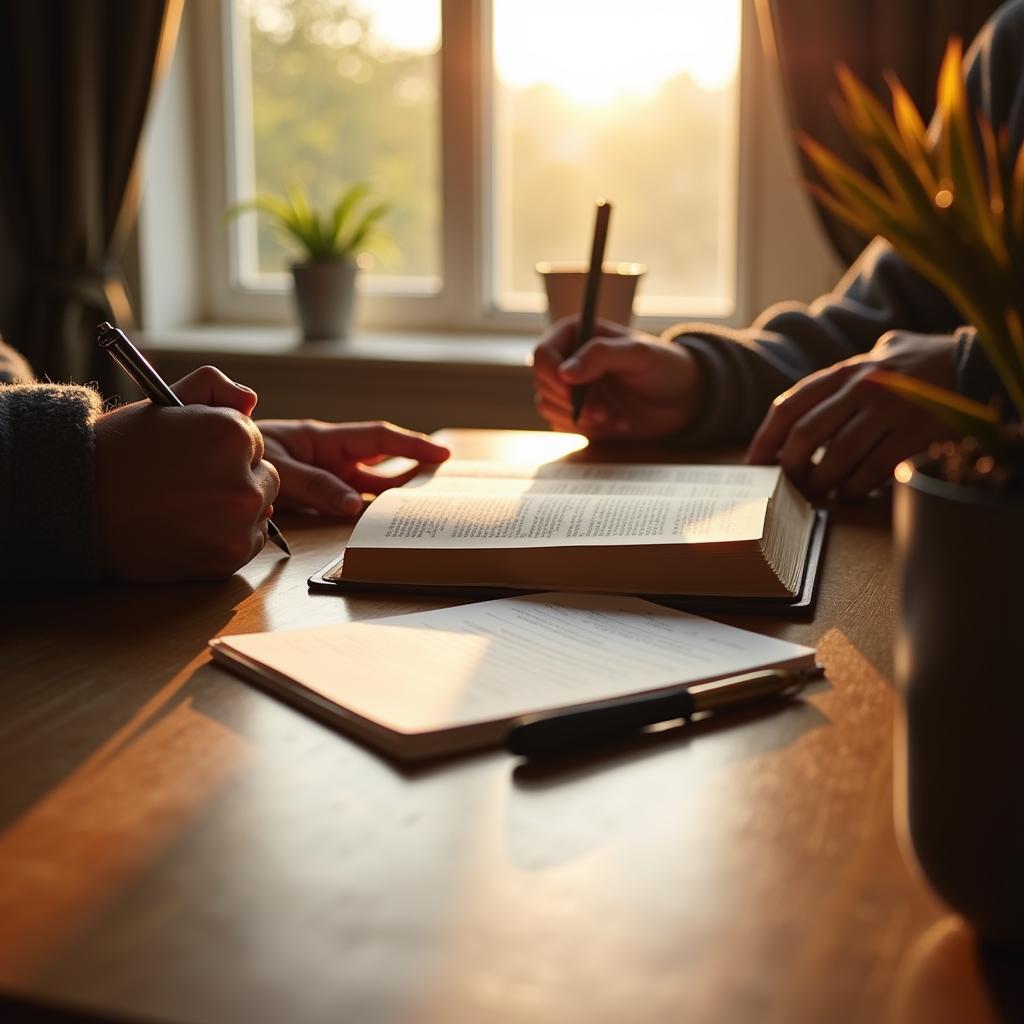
(342, 233)
(955, 212)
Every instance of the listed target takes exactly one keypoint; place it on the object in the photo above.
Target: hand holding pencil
(607, 381)
(186, 480)
(182, 493)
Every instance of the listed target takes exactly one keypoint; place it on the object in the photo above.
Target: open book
(438, 682)
(709, 531)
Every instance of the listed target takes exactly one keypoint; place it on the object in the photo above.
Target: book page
(433, 518)
(469, 476)
(496, 660)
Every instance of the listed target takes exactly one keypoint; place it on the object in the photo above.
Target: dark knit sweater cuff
(717, 419)
(47, 482)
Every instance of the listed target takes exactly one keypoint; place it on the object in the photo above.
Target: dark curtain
(76, 77)
(807, 38)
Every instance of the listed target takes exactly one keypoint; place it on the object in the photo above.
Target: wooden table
(177, 846)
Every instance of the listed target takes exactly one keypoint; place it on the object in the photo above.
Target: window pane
(636, 103)
(345, 91)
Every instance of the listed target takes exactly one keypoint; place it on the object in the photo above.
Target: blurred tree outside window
(344, 91)
(637, 103)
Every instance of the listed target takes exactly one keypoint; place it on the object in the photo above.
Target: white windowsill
(207, 342)
(424, 380)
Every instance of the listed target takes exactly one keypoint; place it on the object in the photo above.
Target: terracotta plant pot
(325, 298)
(960, 669)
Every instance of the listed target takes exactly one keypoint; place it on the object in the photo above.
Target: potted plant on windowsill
(328, 246)
(956, 213)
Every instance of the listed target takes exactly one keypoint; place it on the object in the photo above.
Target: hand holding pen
(607, 381)
(637, 387)
(182, 493)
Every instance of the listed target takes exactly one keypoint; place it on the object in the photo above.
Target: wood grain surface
(177, 846)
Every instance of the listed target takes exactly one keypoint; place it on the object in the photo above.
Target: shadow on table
(564, 810)
(857, 589)
(86, 663)
(23, 1011)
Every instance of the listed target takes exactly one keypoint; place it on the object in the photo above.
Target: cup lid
(624, 269)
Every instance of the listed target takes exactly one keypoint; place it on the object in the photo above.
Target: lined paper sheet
(497, 660)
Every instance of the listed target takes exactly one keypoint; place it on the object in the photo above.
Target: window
(342, 92)
(636, 102)
(491, 147)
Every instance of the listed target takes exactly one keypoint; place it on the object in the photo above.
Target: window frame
(464, 302)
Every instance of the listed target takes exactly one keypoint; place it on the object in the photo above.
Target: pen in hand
(588, 315)
(120, 348)
(563, 732)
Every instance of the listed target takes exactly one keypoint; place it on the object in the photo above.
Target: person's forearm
(742, 372)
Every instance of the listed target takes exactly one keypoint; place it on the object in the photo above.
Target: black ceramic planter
(960, 667)
(325, 298)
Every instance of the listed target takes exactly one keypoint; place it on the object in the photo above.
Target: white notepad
(437, 682)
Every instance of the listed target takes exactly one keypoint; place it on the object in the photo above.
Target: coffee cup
(564, 284)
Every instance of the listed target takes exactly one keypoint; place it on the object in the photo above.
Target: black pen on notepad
(563, 732)
(121, 349)
(591, 290)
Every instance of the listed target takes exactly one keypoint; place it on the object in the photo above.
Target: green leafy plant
(955, 212)
(349, 228)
